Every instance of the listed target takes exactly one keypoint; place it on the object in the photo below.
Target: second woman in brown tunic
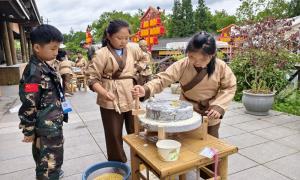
(111, 77)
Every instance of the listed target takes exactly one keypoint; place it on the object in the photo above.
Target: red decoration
(31, 88)
(151, 27)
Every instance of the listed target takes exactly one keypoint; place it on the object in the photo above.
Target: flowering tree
(265, 55)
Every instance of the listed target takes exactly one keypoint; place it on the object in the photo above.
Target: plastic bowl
(168, 150)
(91, 172)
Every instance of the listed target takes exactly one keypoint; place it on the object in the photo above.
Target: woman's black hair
(61, 55)
(207, 43)
(112, 28)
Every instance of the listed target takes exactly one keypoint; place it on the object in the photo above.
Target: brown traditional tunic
(105, 65)
(115, 74)
(214, 92)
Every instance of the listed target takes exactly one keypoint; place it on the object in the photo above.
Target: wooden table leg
(223, 168)
(182, 177)
(134, 165)
(161, 133)
(85, 83)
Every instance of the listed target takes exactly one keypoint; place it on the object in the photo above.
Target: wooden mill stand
(144, 153)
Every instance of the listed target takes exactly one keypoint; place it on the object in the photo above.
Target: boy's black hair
(45, 34)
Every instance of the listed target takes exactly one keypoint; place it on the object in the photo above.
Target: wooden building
(17, 18)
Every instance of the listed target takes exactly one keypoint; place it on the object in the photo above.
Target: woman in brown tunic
(111, 77)
(208, 83)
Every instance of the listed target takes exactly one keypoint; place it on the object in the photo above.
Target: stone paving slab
(238, 163)
(257, 173)
(266, 152)
(275, 132)
(292, 141)
(291, 170)
(245, 140)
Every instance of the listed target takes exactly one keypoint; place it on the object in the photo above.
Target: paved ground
(269, 147)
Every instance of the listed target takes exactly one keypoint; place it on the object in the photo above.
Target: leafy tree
(203, 17)
(188, 18)
(221, 19)
(294, 7)
(176, 23)
(73, 39)
(258, 10)
(166, 20)
(99, 25)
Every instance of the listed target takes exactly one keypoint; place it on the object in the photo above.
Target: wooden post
(161, 133)
(22, 42)
(182, 177)
(6, 45)
(12, 43)
(134, 165)
(223, 168)
(26, 47)
(135, 112)
(29, 48)
(204, 127)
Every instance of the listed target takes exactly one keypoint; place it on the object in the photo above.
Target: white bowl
(168, 150)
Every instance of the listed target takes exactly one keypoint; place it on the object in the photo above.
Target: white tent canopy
(183, 45)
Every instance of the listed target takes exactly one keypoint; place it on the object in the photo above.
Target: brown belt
(202, 105)
(64, 67)
(117, 78)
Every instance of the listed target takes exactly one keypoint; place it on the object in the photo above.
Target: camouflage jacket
(39, 90)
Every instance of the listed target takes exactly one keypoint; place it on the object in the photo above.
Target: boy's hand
(28, 139)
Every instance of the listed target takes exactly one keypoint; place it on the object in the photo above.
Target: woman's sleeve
(226, 92)
(95, 70)
(164, 79)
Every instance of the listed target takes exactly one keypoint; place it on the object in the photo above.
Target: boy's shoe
(61, 174)
(68, 95)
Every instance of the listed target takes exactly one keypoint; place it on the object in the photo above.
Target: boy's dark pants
(48, 152)
(113, 127)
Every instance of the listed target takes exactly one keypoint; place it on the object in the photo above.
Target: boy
(41, 113)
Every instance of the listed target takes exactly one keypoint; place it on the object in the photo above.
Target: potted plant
(262, 62)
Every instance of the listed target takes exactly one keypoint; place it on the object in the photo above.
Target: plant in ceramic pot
(263, 60)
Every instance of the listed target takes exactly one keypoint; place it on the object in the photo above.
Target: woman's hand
(103, 92)
(109, 96)
(138, 91)
(213, 114)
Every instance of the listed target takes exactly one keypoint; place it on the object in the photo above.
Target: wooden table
(145, 152)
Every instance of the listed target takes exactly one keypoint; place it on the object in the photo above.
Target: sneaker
(68, 95)
(61, 174)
